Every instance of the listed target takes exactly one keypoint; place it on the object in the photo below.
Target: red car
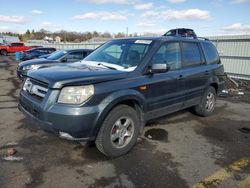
(13, 47)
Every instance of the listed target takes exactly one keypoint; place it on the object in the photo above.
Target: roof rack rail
(185, 36)
(193, 37)
(190, 37)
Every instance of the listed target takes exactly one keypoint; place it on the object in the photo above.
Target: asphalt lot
(178, 150)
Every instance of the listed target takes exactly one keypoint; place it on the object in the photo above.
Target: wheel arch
(214, 82)
(215, 86)
(131, 98)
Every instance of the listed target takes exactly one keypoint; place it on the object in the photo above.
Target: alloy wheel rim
(210, 101)
(122, 132)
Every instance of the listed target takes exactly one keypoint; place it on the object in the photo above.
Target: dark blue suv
(110, 95)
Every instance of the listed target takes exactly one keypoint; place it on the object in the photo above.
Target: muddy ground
(178, 150)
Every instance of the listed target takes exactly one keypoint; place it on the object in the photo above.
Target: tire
(4, 52)
(207, 103)
(119, 131)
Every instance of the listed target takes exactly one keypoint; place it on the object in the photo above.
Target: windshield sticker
(143, 41)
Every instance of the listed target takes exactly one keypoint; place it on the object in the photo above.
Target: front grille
(35, 88)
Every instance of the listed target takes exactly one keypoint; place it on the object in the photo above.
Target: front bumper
(45, 125)
(73, 123)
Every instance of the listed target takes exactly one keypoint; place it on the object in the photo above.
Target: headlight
(31, 67)
(75, 94)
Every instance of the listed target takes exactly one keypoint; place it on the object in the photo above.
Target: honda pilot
(110, 95)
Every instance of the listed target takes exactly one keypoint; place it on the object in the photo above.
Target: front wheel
(119, 131)
(207, 103)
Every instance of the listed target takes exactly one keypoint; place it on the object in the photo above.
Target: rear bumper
(221, 86)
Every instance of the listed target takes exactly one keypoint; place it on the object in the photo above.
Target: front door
(165, 90)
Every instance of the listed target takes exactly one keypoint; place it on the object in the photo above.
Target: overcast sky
(206, 17)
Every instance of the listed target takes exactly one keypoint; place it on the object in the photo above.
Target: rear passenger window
(169, 53)
(191, 54)
(210, 52)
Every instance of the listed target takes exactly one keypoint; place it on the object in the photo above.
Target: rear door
(195, 72)
(165, 90)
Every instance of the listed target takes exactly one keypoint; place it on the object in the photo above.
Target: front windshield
(120, 53)
(56, 55)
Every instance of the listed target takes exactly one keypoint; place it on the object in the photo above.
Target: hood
(75, 74)
(36, 62)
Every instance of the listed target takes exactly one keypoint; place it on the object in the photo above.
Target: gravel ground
(178, 150)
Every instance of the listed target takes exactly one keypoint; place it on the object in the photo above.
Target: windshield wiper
(107, 66)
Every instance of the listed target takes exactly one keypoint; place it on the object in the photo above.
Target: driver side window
(170, 54)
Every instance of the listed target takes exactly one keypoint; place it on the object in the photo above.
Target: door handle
(181, 77)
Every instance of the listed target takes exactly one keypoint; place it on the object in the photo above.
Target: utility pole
(65, 36)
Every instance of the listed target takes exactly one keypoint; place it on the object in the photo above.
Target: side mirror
(158, 68)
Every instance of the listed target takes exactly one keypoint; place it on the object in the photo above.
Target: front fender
(113, 100)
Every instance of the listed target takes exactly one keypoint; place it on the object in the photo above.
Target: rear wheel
(119, 131)
(207, 103)
(3, 52)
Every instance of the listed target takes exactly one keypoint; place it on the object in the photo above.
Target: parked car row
(110, 95)
(14, 47)
(27, 52)
(36, 53)
(59, 57)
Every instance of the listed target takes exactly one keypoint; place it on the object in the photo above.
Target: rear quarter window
(210, 52)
